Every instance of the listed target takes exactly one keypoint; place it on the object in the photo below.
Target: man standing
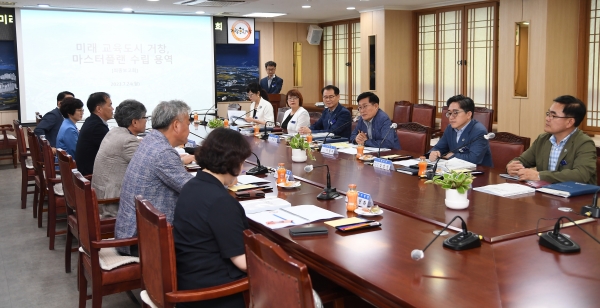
(51, 122)
(563, 153)
(272, 84)
(336, 119)
(464, 135)
(374, 124)
(155, 170)
(93, 131)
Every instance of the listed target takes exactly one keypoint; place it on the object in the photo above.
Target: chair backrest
(275, 278)
(424, 114)
(506, 146)
(48, 159)
(402, 112)
(597, 165)
(485, 116)
(66, 164)
(21, 144)
(157, 251)
(414, 137)
(280, 113)
(314, 117)
(444, 119)
(234, 106)
(37, 159)
(88, 218)
(5, 142)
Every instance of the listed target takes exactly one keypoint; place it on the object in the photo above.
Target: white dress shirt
(264, 111)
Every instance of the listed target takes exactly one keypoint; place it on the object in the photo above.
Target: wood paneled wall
(553, 34)
(393, 30)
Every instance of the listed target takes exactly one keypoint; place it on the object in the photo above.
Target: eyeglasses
(330, 97)
(144, 118)
(81, 110)
(249, 95)
(292, 98)
(553, 116)
(453, 113)
(363, 107)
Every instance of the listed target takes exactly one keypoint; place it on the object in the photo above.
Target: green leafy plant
(454, 180)
(298, 142)
(215, 123)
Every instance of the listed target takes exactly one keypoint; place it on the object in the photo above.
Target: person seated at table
(373, 128)
(262, 110)
(463, 138)
(72, 111)
(50, 123)
(155, 170)
(93, 130)
(296, 116)
(563, 153)
(115, 152)
(208, 222)
(336, 119)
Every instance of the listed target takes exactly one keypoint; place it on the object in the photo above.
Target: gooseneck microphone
(431, 174)
(265, 136)
(592, 210)
(393, 126)
(487, 136)
(329, 192)
(259, 169)
(239, 117)
(335, 129)
(558, 242)
(203, 122)
(462, 241)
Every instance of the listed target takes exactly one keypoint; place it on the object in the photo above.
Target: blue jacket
(478, 152)
(49, 126)
(275, 87)
(67, 137)
(332, 121)
(381, 128)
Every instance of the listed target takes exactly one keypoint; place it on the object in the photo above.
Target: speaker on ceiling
(314, 34)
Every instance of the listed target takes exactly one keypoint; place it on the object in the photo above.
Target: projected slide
(150, 58)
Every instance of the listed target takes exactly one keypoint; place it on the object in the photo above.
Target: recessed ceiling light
(43, 5)
(350, 8)
(200, 12)
(127, 9)
(264, 15)
(159, 0)
(306, 6)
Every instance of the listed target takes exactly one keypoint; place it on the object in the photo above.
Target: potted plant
(215, 123)
(456, 185)
(300, 149)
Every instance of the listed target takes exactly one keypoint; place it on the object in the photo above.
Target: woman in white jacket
(262, 109)
(297, 116)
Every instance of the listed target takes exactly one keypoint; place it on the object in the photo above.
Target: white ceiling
(320, 11)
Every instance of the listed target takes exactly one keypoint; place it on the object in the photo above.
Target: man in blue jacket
(272, 84)
(336, 119)
(51, 122)
(373, 129)
(463, 138)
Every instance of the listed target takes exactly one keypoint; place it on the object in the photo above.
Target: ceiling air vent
(213, 3)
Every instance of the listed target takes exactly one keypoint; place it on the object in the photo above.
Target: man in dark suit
(51, 122)
(93, 131)
(272, 84)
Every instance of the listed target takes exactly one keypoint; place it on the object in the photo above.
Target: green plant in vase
(454, 180)
(297, 142)
(215, 123)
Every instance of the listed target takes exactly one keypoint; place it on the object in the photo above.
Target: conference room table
(510, 269)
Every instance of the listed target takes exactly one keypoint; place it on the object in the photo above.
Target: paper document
(455, 163)
(261, 205)
(238, 116)
(344, 221)
(414, 161)
(251, 179)
(506, 189)
(292, 216)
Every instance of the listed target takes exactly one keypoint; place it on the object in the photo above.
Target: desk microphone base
(258, 170)
(463, 241)
(328, 194)
(558, 242)
(593, 211)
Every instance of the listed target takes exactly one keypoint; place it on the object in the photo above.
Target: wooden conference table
(510, 269)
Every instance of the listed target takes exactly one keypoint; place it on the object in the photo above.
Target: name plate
(328, 149)
(273, 138)
(364, 200)
(289, 176)
(384, 164)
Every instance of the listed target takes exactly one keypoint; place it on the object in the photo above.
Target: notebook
(569, 189)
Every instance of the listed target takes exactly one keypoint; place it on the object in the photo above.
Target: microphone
(329, 192)
(558, 242)
(333, 130)
(592, 210)
(191, 150)
(487, 136)
(259, 169)
(197, 136)
(394, 125)
(203, 122)
(239, 117)
(462, 241)
(265, 136)
(431, 174)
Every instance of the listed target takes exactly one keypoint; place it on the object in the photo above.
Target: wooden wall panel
(311, 67)
(398, 63)
(366, 29)
(266, 45)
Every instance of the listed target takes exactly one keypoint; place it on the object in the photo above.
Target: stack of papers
(291, 216)
(250, 179)
(261, 205)
(505, 189)
(456, 163)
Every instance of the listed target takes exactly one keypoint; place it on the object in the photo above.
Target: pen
(279, 222)
(279, 217)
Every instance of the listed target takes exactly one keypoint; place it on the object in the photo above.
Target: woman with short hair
(262, 110)
(208, 224)
(296, 116)
(72, 110)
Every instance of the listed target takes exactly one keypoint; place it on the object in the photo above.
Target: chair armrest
(208, 293)
(108, 221)
(54, 180)
(88, 177)
(106, 201)
(115, 243)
